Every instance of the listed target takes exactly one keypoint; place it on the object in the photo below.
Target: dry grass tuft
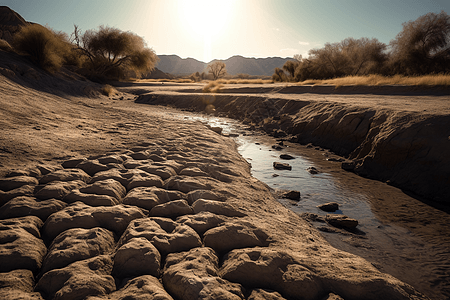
(212, 87)
(435, 79)
(109, 90)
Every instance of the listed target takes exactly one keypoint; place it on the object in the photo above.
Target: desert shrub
(46, 48)
(348, 57)
(290, 67)
(212, 87)
(279, 75)
(423, 46)
(113, 53)
(109, 90)
(5, 46)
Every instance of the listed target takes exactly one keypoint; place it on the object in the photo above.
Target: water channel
(387, 239)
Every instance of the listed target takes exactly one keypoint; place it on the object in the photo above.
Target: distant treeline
(422, 47)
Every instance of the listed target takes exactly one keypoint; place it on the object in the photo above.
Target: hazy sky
(212, 29)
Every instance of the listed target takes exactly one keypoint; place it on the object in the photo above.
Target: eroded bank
(405, 144)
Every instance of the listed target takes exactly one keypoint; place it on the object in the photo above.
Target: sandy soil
(44, 124)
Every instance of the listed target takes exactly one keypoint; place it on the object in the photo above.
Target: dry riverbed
(102, 198)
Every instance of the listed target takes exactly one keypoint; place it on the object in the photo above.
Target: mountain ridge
(236, 64)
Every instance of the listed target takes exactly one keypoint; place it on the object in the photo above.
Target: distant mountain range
(176, 65)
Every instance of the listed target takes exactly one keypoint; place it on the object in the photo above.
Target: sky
(215, 29)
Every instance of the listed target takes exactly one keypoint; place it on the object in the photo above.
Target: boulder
(271, 269)
(79, 280)
(202, 221)
(137, 257)
(109, 187)
(172, 209)
(77, 244)
(329, 207)
(58, 189)
(29, 206)
(65, 175)
(11, 183)
(90, 199)
(140, 288)
(233, 235)
(149, 197)
(79, 215)
(282, 166)
(216, 207)
(166, 235)
(20, 244)
(341, 221)
(194, 275)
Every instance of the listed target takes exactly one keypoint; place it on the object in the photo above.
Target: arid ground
(104, 197)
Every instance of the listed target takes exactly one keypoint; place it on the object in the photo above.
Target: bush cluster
(103, 53)
(422, 47)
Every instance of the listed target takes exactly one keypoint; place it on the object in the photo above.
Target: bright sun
(206, 20)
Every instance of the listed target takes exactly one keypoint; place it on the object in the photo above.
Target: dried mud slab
(194, 275)
(78, 280)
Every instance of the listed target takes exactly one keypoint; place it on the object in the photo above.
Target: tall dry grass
(435, 79)
(212, 87)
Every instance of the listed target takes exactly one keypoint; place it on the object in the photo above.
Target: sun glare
(205, 21)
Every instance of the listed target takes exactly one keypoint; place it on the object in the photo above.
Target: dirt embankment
(400, 139)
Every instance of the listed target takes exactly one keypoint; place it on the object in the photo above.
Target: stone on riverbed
(292, 195)
(282, 166)
(329, 207)
(341, 221)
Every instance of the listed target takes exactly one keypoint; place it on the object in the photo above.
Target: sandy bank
(403, 140)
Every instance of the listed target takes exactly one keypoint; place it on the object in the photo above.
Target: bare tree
(423, 46)
(217, 69)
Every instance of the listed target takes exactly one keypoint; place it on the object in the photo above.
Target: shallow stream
(385, 235)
